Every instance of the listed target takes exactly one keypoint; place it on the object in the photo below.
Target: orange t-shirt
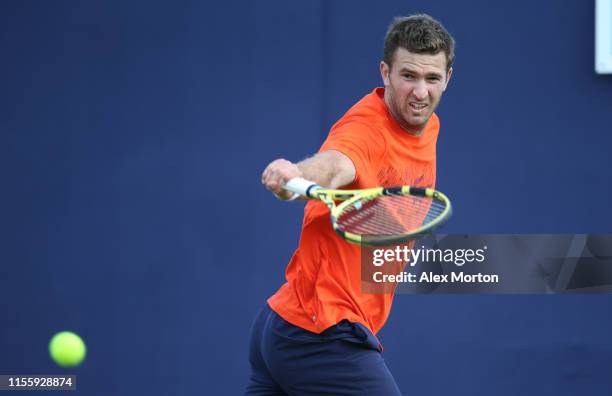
(324, 275)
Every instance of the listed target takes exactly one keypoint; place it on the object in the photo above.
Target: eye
(433, 79)
(408, 76)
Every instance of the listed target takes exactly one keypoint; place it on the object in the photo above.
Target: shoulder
(434, 123)
(370, 109)
(368, 116)
(432, 129)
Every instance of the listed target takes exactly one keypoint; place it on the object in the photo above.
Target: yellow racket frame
(350, 197)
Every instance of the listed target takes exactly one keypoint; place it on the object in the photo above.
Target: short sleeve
(362, 144)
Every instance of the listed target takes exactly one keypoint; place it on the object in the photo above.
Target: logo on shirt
(417, 175)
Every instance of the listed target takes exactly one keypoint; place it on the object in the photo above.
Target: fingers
(277, 173)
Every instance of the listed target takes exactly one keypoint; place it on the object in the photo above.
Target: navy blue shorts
(288, 360)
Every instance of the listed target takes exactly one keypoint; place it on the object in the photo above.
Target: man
(316, 335)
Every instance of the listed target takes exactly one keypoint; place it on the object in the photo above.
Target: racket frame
(350, 197)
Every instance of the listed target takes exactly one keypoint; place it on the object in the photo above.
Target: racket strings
(390, 215)
(374, 221)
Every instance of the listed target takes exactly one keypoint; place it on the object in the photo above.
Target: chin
(419, 122)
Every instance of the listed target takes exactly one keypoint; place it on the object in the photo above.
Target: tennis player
(316, 334)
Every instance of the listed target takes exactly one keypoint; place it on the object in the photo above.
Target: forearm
(330, 169)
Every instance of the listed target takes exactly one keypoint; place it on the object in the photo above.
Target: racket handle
(300, 186)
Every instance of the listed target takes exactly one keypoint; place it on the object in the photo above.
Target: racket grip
(300, 186)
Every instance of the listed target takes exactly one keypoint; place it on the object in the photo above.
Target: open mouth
(418, 107)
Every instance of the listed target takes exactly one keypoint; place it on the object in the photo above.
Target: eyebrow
(404, 69)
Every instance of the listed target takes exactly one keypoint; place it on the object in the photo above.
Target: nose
(420, 90)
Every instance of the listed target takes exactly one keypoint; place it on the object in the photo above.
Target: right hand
(276, 174)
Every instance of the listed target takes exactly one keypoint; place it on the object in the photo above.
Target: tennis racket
(379, 216)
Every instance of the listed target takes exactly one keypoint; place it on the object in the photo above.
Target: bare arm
(330, 169)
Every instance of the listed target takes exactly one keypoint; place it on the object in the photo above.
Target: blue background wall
(121, 121)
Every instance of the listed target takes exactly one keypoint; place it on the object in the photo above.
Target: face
(414, 86)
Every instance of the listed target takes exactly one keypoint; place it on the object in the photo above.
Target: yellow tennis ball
(67, 349)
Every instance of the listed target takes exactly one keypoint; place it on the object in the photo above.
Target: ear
(384, 73)
(448, 77)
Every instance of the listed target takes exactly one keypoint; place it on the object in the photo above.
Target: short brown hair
(420, 34)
